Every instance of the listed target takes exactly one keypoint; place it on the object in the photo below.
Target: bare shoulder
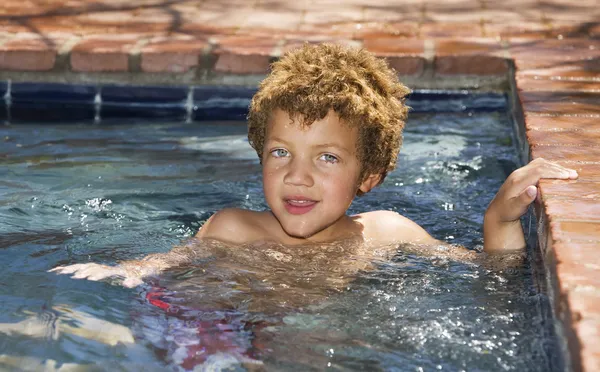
(233, 225)
(392, 227)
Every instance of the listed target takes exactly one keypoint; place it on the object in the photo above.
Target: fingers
(518, 205)
(70, 269)
(96, 272)
(90, 271)
(537, 169)
(527, 196)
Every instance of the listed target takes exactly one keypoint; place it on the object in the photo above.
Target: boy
(327, 126)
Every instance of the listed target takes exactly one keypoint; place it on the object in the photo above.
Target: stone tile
(28, 53)
(148, 21)
(336, 14)
(393, 46)
(535, 84)
(406, 56)
(373, 30)
(584, 104)
(552, 50)
(510, 14)
(566, 153)
(471, 46)
(581, 314)
(568, 30)
(244, 55)
(573, 275)
(407, 65)
(464, 11)
(572, 234)
(573, 12)
(273, 19)
(386, 12)
(511, 29)
(573, 209)
(103, 54)
(172, 55)
(450, 30)
(588, 332)
(562, 123)
(469, 57)
(204, 31)
(585, 303)
(578, 70)
(594, 30)
(569, 68)
(565, 138)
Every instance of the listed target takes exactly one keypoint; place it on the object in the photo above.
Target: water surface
(104, 193)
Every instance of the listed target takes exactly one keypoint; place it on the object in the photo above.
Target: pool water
(110, 192)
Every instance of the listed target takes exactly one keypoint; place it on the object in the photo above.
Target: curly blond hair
(362, 90)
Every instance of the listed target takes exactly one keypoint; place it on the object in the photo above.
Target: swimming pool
(114, 191)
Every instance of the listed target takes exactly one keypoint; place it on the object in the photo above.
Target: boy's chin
(299, 234)
(295, 230)
(305, 233)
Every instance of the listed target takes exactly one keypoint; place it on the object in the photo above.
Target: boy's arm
(216, 231)
(502, 229)
(133, 271)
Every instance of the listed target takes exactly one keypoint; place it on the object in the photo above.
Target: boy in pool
(327, 126)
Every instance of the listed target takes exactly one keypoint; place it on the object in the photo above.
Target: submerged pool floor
(104, 193)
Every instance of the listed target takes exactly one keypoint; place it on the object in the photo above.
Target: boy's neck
(342, 229)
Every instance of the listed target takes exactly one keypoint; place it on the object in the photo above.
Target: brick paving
(548, 49)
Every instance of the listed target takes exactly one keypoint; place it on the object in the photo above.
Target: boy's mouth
(299, 205)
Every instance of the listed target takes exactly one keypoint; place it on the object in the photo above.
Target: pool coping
(553, 76)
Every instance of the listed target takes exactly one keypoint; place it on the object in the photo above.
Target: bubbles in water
(98, 204)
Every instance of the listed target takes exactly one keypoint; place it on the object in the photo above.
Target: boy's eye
(329, 158)
(279, 153)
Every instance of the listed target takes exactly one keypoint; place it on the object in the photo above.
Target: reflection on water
(73, 194)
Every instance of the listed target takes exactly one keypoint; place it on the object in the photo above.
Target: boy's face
(310, 174)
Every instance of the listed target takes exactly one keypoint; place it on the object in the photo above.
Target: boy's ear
(368, 183)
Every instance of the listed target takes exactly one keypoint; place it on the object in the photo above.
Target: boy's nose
(299, 174)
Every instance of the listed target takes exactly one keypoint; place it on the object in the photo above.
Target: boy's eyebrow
(323, 145)
(332, 144)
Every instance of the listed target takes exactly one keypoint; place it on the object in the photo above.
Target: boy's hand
(501, 220)
(95, 272)
(519, 190)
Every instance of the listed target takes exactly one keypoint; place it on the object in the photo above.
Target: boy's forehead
(282, 119)
(330, 131)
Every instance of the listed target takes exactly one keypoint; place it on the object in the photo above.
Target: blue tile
(456, 101)
(3, 87)
(157, 111)
(221, 103)
(138, 94)
(52, 92)
(3, 113)
(56, 112)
